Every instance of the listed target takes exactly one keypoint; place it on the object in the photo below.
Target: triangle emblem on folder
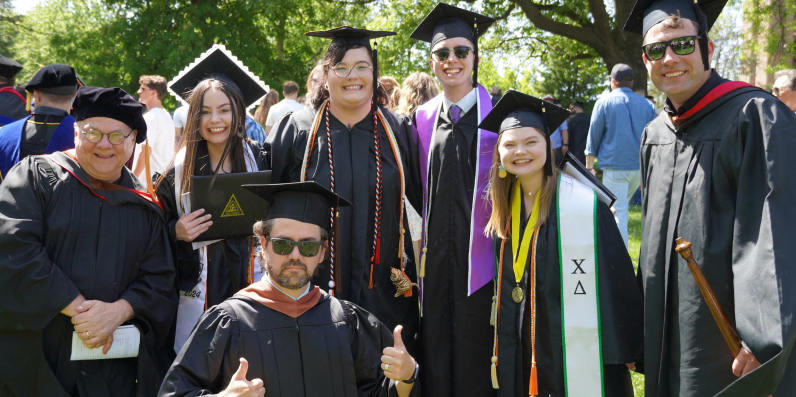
(232, 208)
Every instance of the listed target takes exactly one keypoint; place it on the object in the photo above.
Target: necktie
(456, 114)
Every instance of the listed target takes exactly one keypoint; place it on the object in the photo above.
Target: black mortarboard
(9, 67)
(55, 79)
(446, 21)
(113, 103)
(307, 202)
(347, 34)
(219, 63)
(516, 110)
(648, 13)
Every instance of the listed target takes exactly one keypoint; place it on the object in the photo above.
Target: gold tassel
(148, 175)
(494, 373)
(493, 315)
(27, 104)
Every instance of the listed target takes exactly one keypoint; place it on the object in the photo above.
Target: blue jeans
(623, 184)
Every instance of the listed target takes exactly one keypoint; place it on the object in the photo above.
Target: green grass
(634, 240)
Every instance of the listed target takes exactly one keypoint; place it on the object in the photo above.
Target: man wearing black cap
(50, 129)
(85, 252)
(457, 259)
(715, 169)
(12, 103)
(283, 336)
(614, 135)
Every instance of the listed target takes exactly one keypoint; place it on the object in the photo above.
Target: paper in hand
(126, 340)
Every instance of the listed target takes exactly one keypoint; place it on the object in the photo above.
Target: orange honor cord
(251, 260)
(533, 385)
(496, 314)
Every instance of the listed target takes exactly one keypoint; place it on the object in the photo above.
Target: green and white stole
(580, 299)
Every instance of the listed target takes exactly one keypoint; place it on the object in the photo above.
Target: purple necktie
(456, 114)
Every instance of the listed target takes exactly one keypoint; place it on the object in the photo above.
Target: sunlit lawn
(634, 235)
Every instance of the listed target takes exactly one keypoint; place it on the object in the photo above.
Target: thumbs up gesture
(240, 387)
(396, 362)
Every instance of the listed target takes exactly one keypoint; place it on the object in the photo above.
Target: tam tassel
(27, 104)
(533, 386)
(494, 377)
(148, 173)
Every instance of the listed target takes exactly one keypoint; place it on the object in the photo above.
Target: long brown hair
(333, 55)
(192, 137)
(500, 193)
(271, 99)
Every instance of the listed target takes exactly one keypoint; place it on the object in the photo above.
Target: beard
(289, 278)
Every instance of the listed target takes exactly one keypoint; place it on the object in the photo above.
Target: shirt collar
(465, 103)
(268, 278)
(713, 81)
(47, 110)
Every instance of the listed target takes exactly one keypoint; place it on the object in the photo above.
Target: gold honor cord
(520, 252)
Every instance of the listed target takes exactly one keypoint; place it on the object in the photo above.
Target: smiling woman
(354, 146)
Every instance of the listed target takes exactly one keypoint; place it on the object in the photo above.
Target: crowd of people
(427, 238)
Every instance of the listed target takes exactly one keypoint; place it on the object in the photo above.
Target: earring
(502, 171)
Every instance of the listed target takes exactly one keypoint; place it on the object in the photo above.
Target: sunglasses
(461, 52)
(282, 246)
(681, 46)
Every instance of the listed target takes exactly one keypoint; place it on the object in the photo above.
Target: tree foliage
(9, 21)
(771, 31)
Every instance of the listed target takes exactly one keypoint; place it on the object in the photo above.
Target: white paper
(126, 340)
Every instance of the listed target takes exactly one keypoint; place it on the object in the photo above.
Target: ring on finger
(87, 335)
(386, 367)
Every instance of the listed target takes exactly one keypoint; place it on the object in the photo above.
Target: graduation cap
(9, 67)
(446, 21)
(648, 13)
(307, 202)
(219, 63)
(113, 103)
(57, 79)
(516, 110)
(349, 35)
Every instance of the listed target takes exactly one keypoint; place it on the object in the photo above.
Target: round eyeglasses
(361, 69)
(116, 137)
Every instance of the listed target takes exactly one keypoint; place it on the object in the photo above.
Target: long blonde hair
(418, 88)
(500, 193)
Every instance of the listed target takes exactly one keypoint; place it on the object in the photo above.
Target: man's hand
(96, 321)
(190, 226)
(71, 310)
(240, 387)
(631, 366)
(744, 363)
(396, 362)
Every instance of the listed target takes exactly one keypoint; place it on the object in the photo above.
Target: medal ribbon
(520, 252)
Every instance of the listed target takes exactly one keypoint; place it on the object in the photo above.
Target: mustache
(293, 263)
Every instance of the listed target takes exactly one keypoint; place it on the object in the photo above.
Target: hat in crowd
(348, 34)
(307, 202)
(113, 103)
(648, 13)
(9, 67)
(57, 79)
(446, 21)
(218, 63)
(622, 72)
(517, 110)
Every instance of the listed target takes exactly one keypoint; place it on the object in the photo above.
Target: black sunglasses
(461, 52)
(282, 246)
(681, 46)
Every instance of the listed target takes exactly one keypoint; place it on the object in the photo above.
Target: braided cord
(331, 209)
(376, 257)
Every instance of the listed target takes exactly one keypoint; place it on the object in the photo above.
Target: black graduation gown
(333, 349)
(227, 260)
(578, 125)
(59, 239)
(456, 333)
(722, 180)
(355, 180)
(621, 314)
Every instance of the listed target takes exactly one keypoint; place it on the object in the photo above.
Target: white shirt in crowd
(180, 116)
(160, 133)
(279, 110)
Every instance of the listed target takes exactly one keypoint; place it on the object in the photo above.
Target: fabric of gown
(227, 260)
(333, 349)
(60, 238)
(621, 313)
(722, 180)
(456, 333)
(354, 157)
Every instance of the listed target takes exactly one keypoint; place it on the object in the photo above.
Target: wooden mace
(727, 331)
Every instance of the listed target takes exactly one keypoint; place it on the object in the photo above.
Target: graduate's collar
(465, 103)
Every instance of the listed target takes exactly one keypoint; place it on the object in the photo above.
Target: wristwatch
(414, 376)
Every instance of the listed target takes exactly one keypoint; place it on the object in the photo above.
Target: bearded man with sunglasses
(283, 336)
(716, 171)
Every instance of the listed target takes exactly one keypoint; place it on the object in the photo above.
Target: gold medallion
(516, 294)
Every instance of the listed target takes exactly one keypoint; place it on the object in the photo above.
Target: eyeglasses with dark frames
(460, 52)
(360, 69)
(283, 246)
(681, 46)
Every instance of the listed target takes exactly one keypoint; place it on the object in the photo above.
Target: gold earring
(502, 171)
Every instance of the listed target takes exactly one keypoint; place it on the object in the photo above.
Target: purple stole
(481, 266)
